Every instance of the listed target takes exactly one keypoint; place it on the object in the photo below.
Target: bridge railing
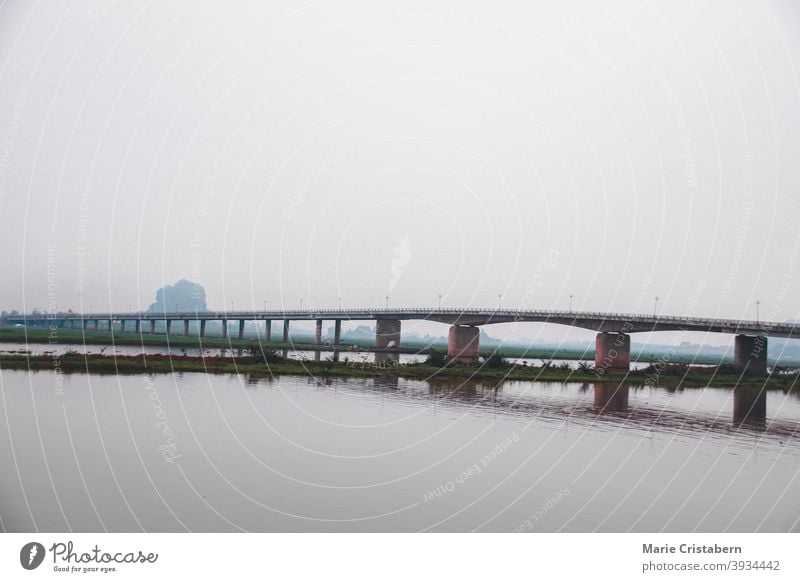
(352, 312)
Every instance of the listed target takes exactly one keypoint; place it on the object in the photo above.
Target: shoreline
(164, 364)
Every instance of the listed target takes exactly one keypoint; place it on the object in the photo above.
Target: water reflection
(611, 397)
(750, 406)
(299, 453)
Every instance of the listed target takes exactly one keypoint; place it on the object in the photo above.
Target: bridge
(612, 346)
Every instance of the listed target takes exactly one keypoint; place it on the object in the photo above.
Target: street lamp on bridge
(570, 303)
(655, 308)
(440, 300)
(387, 302)
(757, 317)
(499, 301)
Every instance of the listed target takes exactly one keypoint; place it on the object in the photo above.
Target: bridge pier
(387, 334)
(168, 324)
(750, 354)
(224, 327)
(122, 325)
(318, 333)
(337, 332)
(152, 326)
(286, 331)
(267, 331)
(137, 325)
(241, 328)
(186, 327)
(612, 352)
(463, 343)
(202, 328)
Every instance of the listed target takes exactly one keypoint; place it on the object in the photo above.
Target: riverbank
(672, 376)
(104, 338)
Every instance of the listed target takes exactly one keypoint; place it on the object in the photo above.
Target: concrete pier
(318, 333)
(463, 343)
(224, 327)
(337, 332)
(387, 334)
(137, 327)
(241, 328)
(286, 331)
(750, 354)
(387, 359)
(152, 326)
(267, 331)
(122, 325)
(169, 326)
(612, 352)
(202, 328)
(186, 327)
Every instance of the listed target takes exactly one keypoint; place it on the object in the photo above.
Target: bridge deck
(597, 321)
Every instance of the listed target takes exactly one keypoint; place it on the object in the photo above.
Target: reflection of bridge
(612, 344)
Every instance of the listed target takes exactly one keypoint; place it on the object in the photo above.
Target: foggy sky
(614, 151)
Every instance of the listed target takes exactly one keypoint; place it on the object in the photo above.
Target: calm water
(228, 453)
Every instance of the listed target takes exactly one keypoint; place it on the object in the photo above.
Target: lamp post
(499, 300)
(655, 307)
(758, 319)
(265, 304)
(440, 300)
(301, 305)
(570, 303)
(387, 302)
(340, 303)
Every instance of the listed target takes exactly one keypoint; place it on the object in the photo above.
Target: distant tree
(183, 296)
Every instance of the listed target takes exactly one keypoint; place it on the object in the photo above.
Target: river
(197, 452)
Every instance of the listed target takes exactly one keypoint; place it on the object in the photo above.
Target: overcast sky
(615, 151)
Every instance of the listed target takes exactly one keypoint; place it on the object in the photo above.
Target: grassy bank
(673, 376)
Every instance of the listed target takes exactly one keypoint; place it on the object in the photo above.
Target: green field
(672, 376)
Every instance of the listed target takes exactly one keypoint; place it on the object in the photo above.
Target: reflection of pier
(609, 402)
(749, 406)
(611, 397)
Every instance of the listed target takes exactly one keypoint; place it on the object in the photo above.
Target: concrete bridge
(613, 344)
